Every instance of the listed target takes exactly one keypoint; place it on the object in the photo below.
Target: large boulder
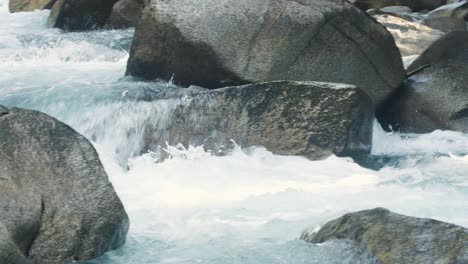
(310, 119)
(216, 43)
(415, 5)
(411, 38)
(79, 15)
(436, 95)
(56, 204)
(29, 5)
(125, 14)
(397, 239)
(448, 18)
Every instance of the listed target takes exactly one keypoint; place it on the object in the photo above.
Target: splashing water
(247, 207)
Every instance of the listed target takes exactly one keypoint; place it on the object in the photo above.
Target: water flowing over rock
(30, 5)
(397, 239)
(57, 204)
(415, 5)
(435, 97)
(311, 119)
(217, 43)
(448, 18)
(78, 15)
(125, 14)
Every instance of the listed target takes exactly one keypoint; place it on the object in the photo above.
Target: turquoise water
(247, 207)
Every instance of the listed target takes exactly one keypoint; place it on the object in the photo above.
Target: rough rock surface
(411, 38)
(79, 15)
(435, 97)
(56, 203)
(310, 119)
(125, 14)
(397, 239)
(29, 5)
(217, 43)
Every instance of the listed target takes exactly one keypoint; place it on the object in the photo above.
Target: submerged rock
(436, 96)
(125, 14)
(411, 38)
(29, 5)
(79, 15)
(310, 119)
(397, 239)
(56, 204)
(217, 43)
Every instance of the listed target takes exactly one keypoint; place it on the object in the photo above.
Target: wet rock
(29, 5)
(3, 110)
(436, 95)
(310, 119)
(80, 15)
(217, 43)
(396, 9)
(125, 14)
(448, 18)
(57, 204)
(397, 239)
(411, 38)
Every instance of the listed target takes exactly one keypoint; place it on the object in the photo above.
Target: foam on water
(247, 207)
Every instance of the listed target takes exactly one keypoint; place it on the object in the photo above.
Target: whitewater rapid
(247, 207)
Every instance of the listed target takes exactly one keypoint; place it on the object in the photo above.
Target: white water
(248, 207)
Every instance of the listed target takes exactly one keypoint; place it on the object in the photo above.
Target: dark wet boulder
(56, 204)
(80, 15)
(398, 239)
(415, 5)
(436, 95)
(29, 5)
(310, 119)
(125, 14)
(219, 43)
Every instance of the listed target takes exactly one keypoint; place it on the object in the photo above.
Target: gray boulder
(448, 18)
(29, 5)
(435, 97)
(79, 15)
(217, 43)
(56, 204)
(397, 239)
(310, 119)
(125, 14)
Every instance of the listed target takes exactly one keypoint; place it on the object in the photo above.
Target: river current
(246, 207)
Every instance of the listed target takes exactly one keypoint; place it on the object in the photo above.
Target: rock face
(415, 5)
(310, 119)
(125, 14)
(411, 38)
(398, 239)
(437, 96)
(56, 203)
(29, 5)
(79, 15)
(217, 43)
(449, 18)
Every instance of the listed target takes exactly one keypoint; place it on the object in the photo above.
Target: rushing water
(247, 207)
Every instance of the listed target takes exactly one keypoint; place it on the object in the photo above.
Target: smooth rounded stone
(125, 14)
(56, 203)
(218, 43)
(396, 9)
(448, 18)
(416, 5)
(29, 5)
(397, 239)
(435, 97)
(309, 119)
(79, 15)
(411, 38)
